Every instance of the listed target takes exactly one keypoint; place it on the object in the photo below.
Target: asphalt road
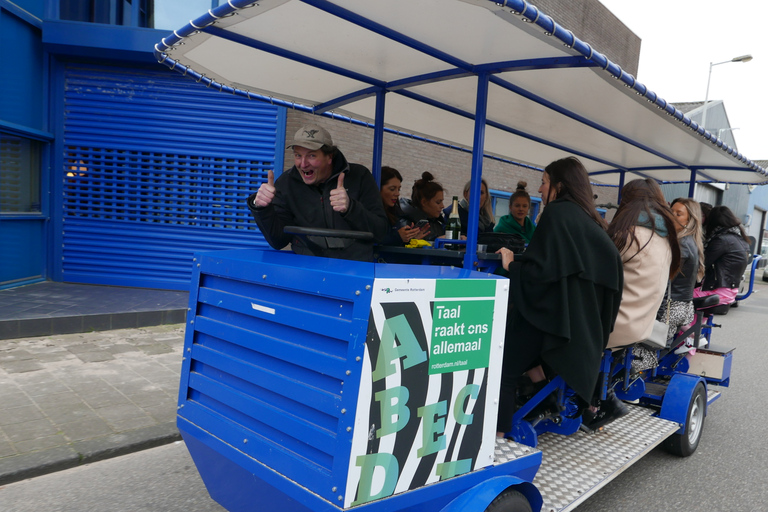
(728, 472)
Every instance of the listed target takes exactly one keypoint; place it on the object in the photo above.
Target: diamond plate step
(577, 466)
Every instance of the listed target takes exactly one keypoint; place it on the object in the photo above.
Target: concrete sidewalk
(70, 399)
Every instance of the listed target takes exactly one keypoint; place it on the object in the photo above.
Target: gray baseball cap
(311, 136)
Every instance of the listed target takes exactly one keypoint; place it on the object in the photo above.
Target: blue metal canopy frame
(487, 74)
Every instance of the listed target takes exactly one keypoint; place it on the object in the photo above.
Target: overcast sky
(679, 40)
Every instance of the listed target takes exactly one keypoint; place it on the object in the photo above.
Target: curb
(21, 467)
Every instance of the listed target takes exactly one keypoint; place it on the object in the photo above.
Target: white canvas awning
(549, 94)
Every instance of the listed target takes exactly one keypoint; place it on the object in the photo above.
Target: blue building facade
(113, 170)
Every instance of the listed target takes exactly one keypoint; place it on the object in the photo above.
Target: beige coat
(645, 281)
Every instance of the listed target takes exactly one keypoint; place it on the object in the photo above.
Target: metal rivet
(357, 358)
(367, 287)
(189, 350)
(194, 259)
(245, 440)
(264, 276)
(343, 411)
(349, 372)
(341, 498)
(357, 292)
(349, 429)
(191, 321)
(183, 358)
(333, 489)
(198, 265)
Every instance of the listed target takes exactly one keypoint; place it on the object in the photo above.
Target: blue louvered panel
(273, 350)
(140, 254)
(154, 168)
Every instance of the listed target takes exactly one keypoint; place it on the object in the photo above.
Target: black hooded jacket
(298, 204)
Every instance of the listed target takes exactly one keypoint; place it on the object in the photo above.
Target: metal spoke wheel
(686, 443)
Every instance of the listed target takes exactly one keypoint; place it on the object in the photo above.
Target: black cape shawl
(566, 290)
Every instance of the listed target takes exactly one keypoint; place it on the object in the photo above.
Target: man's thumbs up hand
(339, 197)
(266, 191)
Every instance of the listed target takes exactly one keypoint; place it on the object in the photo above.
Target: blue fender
(480, 496)
(677, 398)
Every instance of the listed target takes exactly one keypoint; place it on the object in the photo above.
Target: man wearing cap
(321, 190)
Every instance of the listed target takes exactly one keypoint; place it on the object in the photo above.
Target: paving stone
(120, 348)
(13, 397)
(45, 388)
(29, 430)
(15, 355)
(7, 449)
(163, 413)
(155, 348)
(132, 423)
(21, 366)
(67, 413)
(82, 347)
(95, 356)
(150, 398)
(85, 429)
(104, 399)
(21, 414)
(119, 412)
(41, 443)
(52, 400)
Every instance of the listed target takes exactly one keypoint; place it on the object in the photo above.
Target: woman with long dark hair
(565, 291)
(399, 233)
(726, 253)
(425, 208)
(643, 230)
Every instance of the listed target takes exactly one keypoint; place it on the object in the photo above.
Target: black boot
(610, 409)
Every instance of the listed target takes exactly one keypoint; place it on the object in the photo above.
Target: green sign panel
(461, 335)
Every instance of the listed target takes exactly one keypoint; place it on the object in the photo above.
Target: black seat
(706, 302)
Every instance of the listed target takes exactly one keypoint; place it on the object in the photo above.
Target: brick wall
(412, 157)
(593, 23)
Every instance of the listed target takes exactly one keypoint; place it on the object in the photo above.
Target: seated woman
(425, 208)
(726, 253)
(517, 221)
(391, 181)
(681, 312)
(564, 290)
(643, 230)
(486, 219)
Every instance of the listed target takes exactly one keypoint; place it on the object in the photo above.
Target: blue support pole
(378, 136)
(692, 184)
(621, 186)
(478, 148)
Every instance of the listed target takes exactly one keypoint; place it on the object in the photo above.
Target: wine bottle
(453, 226)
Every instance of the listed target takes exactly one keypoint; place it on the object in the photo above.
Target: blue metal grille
(273, 354)
(154, 168)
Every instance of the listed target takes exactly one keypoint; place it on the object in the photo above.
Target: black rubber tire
(510, 500)
(683, 445)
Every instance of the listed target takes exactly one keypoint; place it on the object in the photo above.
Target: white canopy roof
(549, 94)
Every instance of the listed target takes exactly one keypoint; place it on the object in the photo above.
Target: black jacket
(298, 204)
(412, 214)
(682, 285)
(725, 259)
(566, 290)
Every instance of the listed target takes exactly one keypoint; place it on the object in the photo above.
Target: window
(162, 14)
(19, 175)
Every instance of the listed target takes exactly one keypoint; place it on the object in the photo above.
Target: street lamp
(741, 58)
